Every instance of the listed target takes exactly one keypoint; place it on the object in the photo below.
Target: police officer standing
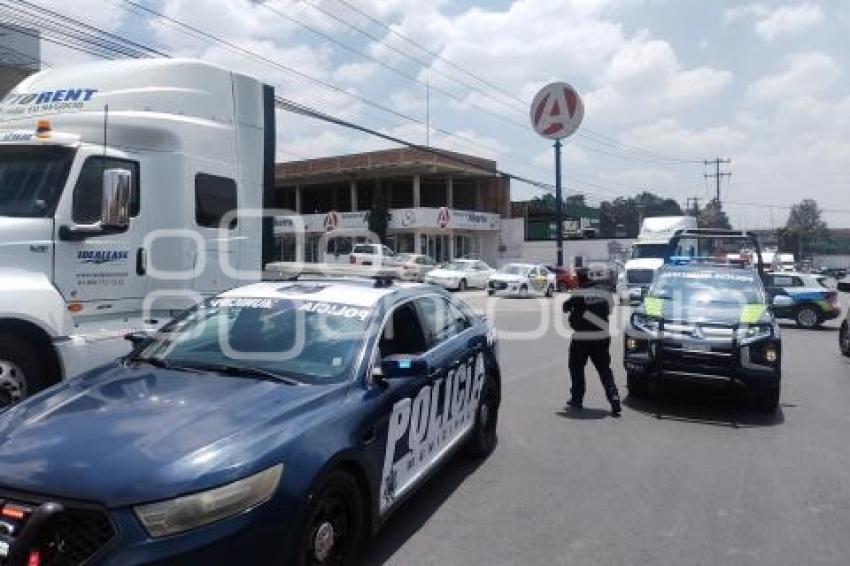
(589, 311)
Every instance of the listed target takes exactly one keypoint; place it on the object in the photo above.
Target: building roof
(406, 161)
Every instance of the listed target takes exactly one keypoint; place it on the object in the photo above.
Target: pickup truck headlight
(191, 511)
(755, 332)
(646, 323)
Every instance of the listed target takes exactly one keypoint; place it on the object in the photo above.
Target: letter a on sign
(557, 111)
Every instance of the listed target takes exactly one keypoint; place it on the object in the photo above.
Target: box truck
(117, 182)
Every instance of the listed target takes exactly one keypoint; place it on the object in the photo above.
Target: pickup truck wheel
(808, 316)
(768, 400)
(637, 383)
(844, 339)
(333, 523)
(22, 372)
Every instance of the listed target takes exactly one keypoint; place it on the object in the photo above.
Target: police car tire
(844, 339)
(523, 291)
(798, 317)
(483, 439)
(637, 383)
(340, 488)
(768, 400)
(549, 291)
(28, 359)
(461, 286)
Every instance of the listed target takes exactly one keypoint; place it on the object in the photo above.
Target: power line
(717, 175)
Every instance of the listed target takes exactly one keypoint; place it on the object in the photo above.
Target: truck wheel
(333, 522)
(22, 372)
(844, 339)
(808, 316)
(768, 400)
(637, 383)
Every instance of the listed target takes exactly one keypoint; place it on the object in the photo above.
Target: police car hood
(723, 314)
(122, 436)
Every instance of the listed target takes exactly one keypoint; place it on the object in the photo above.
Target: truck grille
(639, 276)
(70, 537)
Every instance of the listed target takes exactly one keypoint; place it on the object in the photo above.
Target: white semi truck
(117, 182)
(647, 255)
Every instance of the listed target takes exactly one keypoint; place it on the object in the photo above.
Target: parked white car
(522, 280)
(413, 267)
(371, 254)
(460, 274)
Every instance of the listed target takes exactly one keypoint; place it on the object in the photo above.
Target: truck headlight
(754, 332)
(191, 511)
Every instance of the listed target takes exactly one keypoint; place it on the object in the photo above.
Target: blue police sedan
(278, 423)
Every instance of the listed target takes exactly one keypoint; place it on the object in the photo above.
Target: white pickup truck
(372, 254)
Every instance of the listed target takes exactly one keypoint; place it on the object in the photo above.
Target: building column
(298, 199)
(451, 245)
(450, 192)
(417, 244)
(353, 189)
(479, 196)
(417, 185)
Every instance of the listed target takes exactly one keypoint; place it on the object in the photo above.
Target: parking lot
(684, 477)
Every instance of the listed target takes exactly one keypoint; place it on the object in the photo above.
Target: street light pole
(559, 206)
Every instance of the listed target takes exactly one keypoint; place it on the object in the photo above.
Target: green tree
(712, 216)
(378, 214)
(804, 230)
(627, 212)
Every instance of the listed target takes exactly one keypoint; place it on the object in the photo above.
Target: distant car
(834, 272)
(522, 280)
(277, 423)
(460, 274)
(806, 298)
(413, 267)
(371, 254)
(564, 279)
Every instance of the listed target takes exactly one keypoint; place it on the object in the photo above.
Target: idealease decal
(431, 423)
(101, 256)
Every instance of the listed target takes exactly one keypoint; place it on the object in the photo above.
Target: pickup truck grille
(71, 536)
(639, 276)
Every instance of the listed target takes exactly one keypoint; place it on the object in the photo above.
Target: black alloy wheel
(334, 523)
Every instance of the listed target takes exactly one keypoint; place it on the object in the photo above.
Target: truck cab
(119, 186)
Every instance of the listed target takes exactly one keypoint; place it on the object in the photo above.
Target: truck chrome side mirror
(115, 207)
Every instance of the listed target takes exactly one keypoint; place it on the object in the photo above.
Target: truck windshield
(640, 251)
(31, 179)
(308, 341)
(718, 287)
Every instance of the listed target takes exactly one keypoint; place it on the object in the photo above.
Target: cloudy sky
(666, 84)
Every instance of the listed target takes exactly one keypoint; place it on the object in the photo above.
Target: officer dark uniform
(589, 311)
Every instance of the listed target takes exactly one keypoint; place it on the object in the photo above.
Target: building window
(87, 203)
(432, 192)
(214, 198)
(401, 192)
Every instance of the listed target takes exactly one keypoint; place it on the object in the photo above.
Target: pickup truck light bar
(292, 271)
(748, 238)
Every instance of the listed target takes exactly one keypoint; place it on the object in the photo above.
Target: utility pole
(695, 207)
(717, 175)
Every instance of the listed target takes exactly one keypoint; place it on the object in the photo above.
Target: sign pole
(559, 205)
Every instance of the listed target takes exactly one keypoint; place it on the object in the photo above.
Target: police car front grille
(498, 284)
(73, 537)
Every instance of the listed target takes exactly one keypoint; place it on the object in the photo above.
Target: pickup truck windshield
(707, 287)
(31, 179)
(308, 341)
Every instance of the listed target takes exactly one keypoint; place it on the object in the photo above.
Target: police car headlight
(755, 332)
(191, 511)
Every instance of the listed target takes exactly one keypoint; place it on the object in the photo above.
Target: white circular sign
(557, 111)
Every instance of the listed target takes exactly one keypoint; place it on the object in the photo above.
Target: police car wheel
(484, 437)
(334, 521)
(844, 339)
(523, 291)
(637, 383)
(461, 286)
(768, 400)
(22, 372)
(549, 291)
(807, 317)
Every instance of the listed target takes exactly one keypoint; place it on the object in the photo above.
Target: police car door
(105, 272)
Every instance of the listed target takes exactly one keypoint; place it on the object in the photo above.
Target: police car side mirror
(402, 366)
(139, 339)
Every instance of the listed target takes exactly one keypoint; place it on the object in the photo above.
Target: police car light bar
(285, 270)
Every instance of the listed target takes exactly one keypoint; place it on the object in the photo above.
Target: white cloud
(804, 74)
(779, 22)
(667, 136)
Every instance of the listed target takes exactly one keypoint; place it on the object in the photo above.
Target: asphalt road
(709, 482)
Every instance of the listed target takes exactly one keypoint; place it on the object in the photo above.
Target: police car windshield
(515, 269)
(694, 287)
(312, 342)
(31, 179)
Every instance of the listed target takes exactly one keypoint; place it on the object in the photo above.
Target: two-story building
(440, 205)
